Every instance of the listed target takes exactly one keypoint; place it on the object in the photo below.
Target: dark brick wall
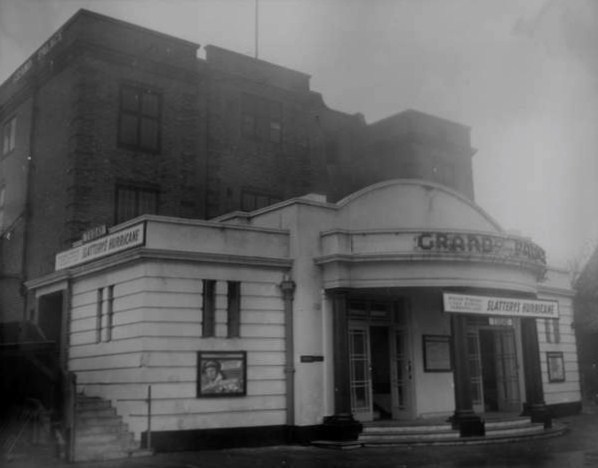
(237, 162)
(52, 172)
(82, 162)
(205, 163)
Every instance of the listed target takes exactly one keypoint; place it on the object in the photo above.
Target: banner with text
(484, 305)
(110, 244)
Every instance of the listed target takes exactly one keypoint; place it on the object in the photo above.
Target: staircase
(100, 433)
(390, 433)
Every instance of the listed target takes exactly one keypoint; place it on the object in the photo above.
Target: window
(261, 118)
(254, 200)
(134, 201)
(2, 205)
(110, 313)
(99, 303)
(552, 330)
(140, 115)
(9, 135)
(234, 309)
(208, 325)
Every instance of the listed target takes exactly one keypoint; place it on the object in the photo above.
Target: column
(464, 418)
(342, 395)
(341, 425)
(534, 406)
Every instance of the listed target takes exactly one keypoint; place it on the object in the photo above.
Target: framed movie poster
(437, 353)
(556, 366)
(221, 374)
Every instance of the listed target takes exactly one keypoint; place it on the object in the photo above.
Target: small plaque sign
(310, 358)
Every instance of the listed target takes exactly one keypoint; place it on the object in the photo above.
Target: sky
(523, 74)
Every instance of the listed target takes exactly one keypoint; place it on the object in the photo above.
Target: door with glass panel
(401, 373)
(507, 378)
(380, 360)
(359, 367)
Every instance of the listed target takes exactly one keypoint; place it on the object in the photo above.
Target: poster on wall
(437, 353)
(221, 373)
(556, 366)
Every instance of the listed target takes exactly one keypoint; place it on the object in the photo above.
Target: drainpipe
(288, 293)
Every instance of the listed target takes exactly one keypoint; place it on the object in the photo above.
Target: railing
(66, 434)
(29, 423)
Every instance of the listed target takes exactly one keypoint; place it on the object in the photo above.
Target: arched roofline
(420, 183)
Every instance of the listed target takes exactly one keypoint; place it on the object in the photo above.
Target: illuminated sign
(107, 245)
(503, 306)
(480, 244)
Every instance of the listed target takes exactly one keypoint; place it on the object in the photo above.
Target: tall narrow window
(208, 323)
(140, 115)
(234, 309)
(99, 304)
(548, 330)
(556, 330)
(2, 206)
(110, 313)
(9, 135)
(133, 201)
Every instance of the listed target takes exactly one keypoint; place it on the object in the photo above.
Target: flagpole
(257, 10)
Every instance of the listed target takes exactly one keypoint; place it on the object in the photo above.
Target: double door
(380, 370)
(495, 369)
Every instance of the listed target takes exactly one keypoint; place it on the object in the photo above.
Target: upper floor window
(261, 118)
(133, 201)
(2, 205)
(140, 115)
(9, 135)
(254, 200)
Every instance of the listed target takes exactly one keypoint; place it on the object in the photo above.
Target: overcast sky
(523, 74)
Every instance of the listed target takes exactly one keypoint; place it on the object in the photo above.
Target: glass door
(507, 378)
(359, 366)
(402, 375)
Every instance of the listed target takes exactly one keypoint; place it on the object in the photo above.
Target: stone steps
(100, 433)
(508, 430)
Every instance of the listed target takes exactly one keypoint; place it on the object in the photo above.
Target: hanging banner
(505, 306)
(107, 245)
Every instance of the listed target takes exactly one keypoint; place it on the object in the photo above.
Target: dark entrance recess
(488, 357)
(380, 373)
(50, 316)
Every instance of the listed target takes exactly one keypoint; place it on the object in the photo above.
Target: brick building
(108, 120)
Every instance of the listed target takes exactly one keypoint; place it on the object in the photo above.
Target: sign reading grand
(107, 245)
(502, 247)
(485, 305)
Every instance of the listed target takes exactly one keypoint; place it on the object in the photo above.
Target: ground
(577, 448)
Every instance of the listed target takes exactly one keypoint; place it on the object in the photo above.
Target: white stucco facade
(392, 249)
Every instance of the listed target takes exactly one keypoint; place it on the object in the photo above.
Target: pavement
(578, 447)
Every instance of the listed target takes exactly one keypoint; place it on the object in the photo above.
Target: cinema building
(403, 302)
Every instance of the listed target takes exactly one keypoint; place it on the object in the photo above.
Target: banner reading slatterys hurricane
(124, 239)
(510, 307)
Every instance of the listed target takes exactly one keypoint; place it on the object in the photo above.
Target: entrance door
(402, 374)
(380, 353)
(380, 361)
(499, 370)
(507, 379)
(359, 367)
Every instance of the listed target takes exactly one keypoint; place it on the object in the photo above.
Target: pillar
(534, 406)
(464, 418)
(341, 425)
